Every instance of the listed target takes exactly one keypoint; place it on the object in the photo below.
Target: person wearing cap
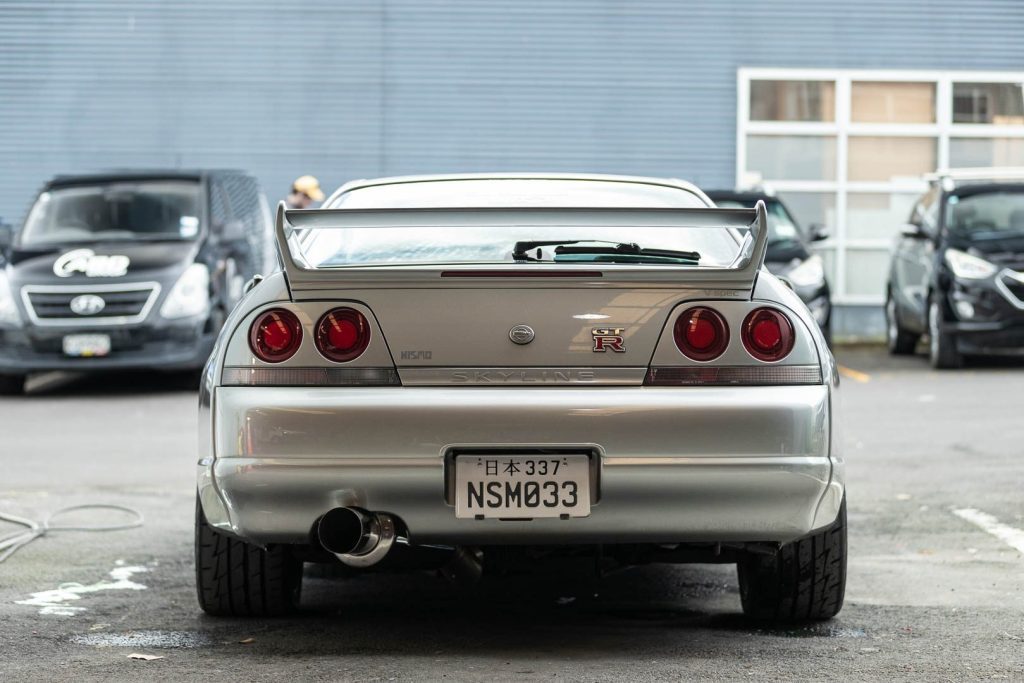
(305, 191)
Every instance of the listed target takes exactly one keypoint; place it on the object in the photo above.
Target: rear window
(118, 211)
(392, 246)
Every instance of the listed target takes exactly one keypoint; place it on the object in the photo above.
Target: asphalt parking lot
(936, 584)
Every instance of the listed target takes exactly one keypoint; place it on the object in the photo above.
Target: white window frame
(842, 129)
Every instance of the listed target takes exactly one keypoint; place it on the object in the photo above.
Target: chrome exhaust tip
(356, 537)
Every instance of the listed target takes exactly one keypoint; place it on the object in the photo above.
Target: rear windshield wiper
(616, 252)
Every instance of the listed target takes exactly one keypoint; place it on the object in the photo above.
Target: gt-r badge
(521, 334)
(608, 338)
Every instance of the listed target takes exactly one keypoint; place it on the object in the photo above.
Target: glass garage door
(847, 149)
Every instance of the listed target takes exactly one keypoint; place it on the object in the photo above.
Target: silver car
(452, 369)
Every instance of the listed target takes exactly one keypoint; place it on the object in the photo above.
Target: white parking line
(1009, 535)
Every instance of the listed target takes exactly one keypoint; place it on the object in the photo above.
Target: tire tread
(235, 578)
(803, 581)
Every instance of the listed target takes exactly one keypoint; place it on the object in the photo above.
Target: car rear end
(468, 405)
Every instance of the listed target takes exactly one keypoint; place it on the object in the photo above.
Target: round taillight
(275, 335)
(342, 334)
(768, 335)
(701, 333)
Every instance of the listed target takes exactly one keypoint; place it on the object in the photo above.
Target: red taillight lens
(701, 333)
(275, 335)
(342, 334)
(768, 335)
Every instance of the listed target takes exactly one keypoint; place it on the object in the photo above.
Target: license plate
(86, 345)
(522, 486)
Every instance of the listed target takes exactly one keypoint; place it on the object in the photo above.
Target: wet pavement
(934, 593)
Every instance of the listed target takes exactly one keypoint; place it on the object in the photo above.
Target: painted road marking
(855, 375)
(56, 601)
(1009, 535)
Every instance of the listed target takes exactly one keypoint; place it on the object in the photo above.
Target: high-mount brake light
(767, 335)
(701, 333)
(342, 334)
(275, 335)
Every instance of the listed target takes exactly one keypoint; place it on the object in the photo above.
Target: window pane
(792, 101)
(997, 103)
(866, 272)
(792, 157)
(811, 208)
(975, 152)
(892, 102)
(877, 215)
(885, 158)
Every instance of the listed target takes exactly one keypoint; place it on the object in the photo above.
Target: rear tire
(803, 581)
(12, 385)
(941, 345)
(900, 341)
(239, 579)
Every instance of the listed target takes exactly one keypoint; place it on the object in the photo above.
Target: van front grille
(85, 305)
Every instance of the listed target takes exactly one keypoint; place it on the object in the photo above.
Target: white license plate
(522, 486)
(86, 345)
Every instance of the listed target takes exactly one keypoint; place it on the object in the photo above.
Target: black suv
(957, 274)
(789, 255)
(127, 270)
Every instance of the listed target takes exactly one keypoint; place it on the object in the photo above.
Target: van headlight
(190, 295)
(8, 308)
(810, 272)
(967, 267)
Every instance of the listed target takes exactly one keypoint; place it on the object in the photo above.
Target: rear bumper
(674, 464)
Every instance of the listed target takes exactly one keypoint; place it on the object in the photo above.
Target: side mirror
(6, 235)
(912, 231)
(818, 232)
(231, 231)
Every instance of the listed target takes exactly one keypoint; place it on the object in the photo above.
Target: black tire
(900, 341)
(12, 385)
(238, 579)
(803, 581)
(942, 351)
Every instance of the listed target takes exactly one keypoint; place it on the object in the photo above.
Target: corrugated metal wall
(364, 88)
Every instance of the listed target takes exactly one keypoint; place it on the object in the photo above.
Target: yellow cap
(309, 186)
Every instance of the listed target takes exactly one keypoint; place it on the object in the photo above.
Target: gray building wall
(379, 87)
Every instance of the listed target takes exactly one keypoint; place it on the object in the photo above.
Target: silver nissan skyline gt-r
(462, 371)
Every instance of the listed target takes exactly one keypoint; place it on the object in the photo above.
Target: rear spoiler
(740, 274)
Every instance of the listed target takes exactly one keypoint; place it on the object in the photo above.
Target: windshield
(153, 210)
(381, 246)
(986, 215)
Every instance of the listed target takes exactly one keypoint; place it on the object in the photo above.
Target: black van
(128, 270)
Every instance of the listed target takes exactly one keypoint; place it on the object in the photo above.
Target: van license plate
(522, 486)
(86, 345)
